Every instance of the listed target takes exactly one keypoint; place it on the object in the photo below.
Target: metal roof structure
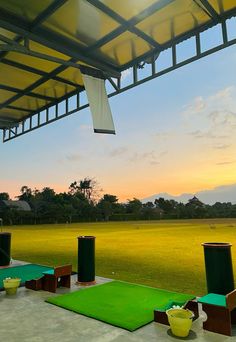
(45, 46)
(17, 205)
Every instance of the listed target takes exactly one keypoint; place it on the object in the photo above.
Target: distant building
(195, 202)
(17, 205)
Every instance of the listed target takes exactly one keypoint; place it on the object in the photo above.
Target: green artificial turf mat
(24, 272)
(125, 305)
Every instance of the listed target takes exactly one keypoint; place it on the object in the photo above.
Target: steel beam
(128, 25)
(181, 38)
(36, 22)
(210, 10)
(41, 18)
(117, 86)
(37, 72)
(26, 51)
(12, 45)
(55, 41)
(52, 8)
(12, 132)
(31, 94)
(21, 109)
(7, 124)
(30, 88)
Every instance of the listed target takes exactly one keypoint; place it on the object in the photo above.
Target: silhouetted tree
(4, 196)
(107, 205)
(195, 208)
(134, 206)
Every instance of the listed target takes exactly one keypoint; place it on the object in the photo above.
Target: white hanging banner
(99, 105)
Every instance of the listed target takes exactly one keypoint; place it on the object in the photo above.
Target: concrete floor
(25, 317)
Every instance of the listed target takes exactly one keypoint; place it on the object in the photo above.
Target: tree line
(81, 204)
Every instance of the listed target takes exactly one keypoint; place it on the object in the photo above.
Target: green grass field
(164, 254)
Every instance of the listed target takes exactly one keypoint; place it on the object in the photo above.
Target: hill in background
(224, 193)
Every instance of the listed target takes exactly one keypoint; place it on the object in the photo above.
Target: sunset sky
(174, 134)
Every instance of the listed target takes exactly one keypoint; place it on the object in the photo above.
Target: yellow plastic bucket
(11, 285)
(180, 321)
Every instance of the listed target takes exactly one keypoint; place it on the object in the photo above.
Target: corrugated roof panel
(99, 33)
(5, 95)
(73, 75)
(125, 47)
(12, 114)
(47, 51)
(6, 33)
(28, 102)
(15, 77)
(54, 89)
(174, 20)
(33, 62)
(128, 9)
(86, 23)
(222, 6)
(27, 9)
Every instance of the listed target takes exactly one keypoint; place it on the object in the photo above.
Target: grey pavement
(26, 317)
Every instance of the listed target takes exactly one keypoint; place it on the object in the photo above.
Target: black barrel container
(5, 248)
(86, 259)
(219, 269)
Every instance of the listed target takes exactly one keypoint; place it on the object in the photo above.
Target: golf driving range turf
(163, 254)
(125, 305)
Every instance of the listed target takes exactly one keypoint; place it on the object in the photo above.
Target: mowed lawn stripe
(164, 254)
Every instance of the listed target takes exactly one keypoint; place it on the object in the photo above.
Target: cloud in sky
(200, 104)
(117, 152)
(223, 118)
(74, 157)
(221, 147)
(130, 154)
(126, 73)
(151, 157)
(223, 94)
(163, 153)
(214, 115)
(201, 143)
(197, 106)
(206, 125)
(163, 135)
(206, 135)
(210, 120)
(226, 162)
